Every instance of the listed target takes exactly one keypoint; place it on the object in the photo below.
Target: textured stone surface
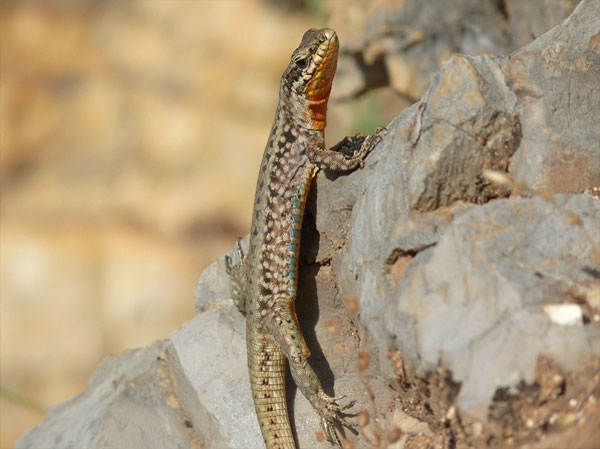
(133, 401)
(402, 44)
(212, 350)
(481, 290)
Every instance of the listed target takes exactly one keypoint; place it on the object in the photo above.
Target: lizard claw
(333, 417)
(372, 140)
(339, 407)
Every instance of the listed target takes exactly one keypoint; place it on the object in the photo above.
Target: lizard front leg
(347, 155)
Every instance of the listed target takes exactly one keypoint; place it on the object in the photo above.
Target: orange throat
(318, 113)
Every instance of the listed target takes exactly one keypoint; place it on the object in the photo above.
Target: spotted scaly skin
(264, 281)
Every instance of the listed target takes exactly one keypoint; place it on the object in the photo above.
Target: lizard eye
(301, 62)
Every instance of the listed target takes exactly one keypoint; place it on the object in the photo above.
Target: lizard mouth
(319, 73)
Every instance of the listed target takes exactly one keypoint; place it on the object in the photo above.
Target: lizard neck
(308, 114)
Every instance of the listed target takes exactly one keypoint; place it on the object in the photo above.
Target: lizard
(264, 281)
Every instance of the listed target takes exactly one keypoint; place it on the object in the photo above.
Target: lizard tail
(266, 363)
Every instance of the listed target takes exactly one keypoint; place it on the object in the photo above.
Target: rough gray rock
(211, 348)
(457, 288)
(134, 400)
(402, 44)
(472, 118)
(559, 151)
(477, 302)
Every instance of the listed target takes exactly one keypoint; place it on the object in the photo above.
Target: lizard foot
(235, 266)
(231, 262)
(333, 416)
(371, 141)
(359, 145)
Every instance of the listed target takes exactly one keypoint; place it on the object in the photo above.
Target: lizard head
(313, 64)
(310, 73)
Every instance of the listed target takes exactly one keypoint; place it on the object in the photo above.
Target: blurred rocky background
(130, 136)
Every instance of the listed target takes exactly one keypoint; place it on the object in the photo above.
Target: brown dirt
(557, 410)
